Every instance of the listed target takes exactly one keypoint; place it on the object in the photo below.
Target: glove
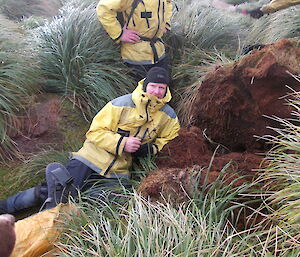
(256, 13)
(144, 150)
(249, 48)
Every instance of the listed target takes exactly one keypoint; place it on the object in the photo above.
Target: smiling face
(157, 89)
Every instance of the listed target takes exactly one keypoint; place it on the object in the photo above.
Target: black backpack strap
(120, 16)
(152, 42)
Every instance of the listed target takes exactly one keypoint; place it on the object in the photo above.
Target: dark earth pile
(230, 107)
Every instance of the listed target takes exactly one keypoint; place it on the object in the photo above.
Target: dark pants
(94, 185)
(139, 71)
(84, 179)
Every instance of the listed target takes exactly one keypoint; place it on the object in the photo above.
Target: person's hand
(256, 13)
(132, 144)
(129, 35)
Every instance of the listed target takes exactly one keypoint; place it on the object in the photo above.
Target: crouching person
(133, 125)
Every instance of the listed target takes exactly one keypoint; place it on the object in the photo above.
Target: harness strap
(59, 183)
(64, 178)
(152, 42)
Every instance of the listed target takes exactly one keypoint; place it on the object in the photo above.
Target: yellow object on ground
(276, 5)
(37, 234)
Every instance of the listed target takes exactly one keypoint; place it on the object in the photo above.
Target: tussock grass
(11, 36)
(80, 61)
(18, 82)
(271, 28)
(32, 171)
(284, 168)
(206, 27)
(17, 10)
(281, 180)
(137, 227)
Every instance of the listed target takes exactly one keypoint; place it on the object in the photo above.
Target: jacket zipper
(158, 19)
(145, 133)
(147, 114)
(163, 11)
(114, 160)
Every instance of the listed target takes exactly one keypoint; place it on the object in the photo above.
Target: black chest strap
(152, 42)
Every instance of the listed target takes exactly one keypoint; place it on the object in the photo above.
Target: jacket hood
(139, 92)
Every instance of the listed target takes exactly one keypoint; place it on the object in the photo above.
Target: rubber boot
(20, 201)
(3, 207)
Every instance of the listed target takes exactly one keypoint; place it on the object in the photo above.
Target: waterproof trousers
(84, 179)
(139, 71)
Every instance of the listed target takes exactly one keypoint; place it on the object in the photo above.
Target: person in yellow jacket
(133, 125)
(139, 26)
(273, 6)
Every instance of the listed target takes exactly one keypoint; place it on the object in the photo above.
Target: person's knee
(60, 184)
(7, 234)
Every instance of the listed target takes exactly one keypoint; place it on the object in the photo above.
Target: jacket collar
(141, 98)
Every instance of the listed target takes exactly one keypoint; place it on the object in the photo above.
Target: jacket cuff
(117, 39)
(155, 149)
(168, 26)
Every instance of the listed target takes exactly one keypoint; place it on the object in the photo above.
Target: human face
(157, 89)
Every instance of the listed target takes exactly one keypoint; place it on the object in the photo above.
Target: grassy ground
(139, 228)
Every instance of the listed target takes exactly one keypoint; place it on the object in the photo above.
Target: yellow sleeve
(276, 5)
(169, 132)
(103, 130)
(107, 15)
(168, 14)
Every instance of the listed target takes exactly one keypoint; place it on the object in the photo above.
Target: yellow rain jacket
(150, 19)
(137, 114)
(277, 5)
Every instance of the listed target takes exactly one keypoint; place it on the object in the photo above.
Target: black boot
(26, 199)
(3, 207)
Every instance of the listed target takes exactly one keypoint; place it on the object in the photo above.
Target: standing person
(138, 25)
(133, 125)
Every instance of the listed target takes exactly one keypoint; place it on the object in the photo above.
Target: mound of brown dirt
(175, 185)
(232, 100)
(188, 149)
(241, 163)
(188, 155)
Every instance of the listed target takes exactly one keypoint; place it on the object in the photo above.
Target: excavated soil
(233, 101)
(231, 107)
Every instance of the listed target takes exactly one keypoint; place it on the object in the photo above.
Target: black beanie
(156, 75)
